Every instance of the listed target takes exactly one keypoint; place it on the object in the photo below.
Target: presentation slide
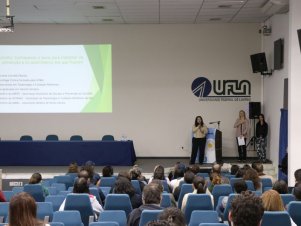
(55, 78)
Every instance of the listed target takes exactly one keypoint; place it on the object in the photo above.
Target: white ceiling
(137, 11)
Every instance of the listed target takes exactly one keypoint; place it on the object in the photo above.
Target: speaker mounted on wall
(259, 64)
(254, 110)
(299, 37)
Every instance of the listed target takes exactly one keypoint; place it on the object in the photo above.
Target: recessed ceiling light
(98, 7)
(107, 20)
(215, 19)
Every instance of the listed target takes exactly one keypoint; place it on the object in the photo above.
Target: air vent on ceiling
(272, 7)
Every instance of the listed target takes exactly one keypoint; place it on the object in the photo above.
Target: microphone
(214, 122)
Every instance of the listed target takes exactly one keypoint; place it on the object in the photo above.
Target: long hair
(262, 115)
(243, 112)
(272, 201)
(252, 175)
(196, 121)
(23, 211)
(159, 172)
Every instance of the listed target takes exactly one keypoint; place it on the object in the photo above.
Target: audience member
(188, 179)
(178, 174)
(107, 171)
(23, 211)
(2, 197)
(234, 169)
(173, 216)
(94, 177)
(246, 210)
(73, 167)
(259, 169)
(297, 175)
(217, 170)
(158, 223)
(81, 187)
(216, 179)
(151, 198)
(172, 198)
(159, 174)
(124, 186)
(124, 174)
(135, 174)
(36, 178)
(240, 173)
(194, 168)
(252, 175)
(297, 191)
(280, 186)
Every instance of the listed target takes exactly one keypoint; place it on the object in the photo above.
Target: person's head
(158, 223)
(297, 175)
(83, 174)
(178, 171)
(89, 169)
(159, 183)
(189, 176)
(240, 186)
(159, 172)
(135, 173)
(246, 166)
(234, 169)
(215, 178)
(194, 168)
(280, 186)
(216, 168)
(152, 194)
(240, 173)
(35, 178)
(73, 167)
(252, 175)
(258, 167)
(81, 186)
(124, 186)
(23, 210)
(173, 216)
(199, 184)
(198, 120)
(124, 174)
(261, 118)
(246, 210)
(297, 191)
(107, 171)
(242, 114)
(272, 201)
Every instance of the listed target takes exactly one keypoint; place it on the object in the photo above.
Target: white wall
(294, 154)
(273, 85)
(153, 68)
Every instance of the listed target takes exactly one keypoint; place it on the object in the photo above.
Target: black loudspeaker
(299, 37)
(259, 63)
(254, 109)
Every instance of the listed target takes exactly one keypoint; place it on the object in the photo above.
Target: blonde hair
(272, 201)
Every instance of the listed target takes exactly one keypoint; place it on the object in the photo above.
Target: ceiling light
(225, 6)
(107, 20)
(98, 7)
(215, 19)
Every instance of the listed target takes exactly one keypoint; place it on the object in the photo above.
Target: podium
(213, 150)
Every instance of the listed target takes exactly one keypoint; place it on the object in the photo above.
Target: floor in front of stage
(146, 164)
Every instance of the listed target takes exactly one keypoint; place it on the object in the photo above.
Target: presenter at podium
(200, 131)
(242, 133)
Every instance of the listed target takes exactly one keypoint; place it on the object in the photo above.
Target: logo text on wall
(221, 90)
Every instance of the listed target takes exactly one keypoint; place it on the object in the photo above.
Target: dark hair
(152, 194)
(246, 209)
(252, 175)
(124, 186)
(89, 169)
(247, 166)
(23, 211)
(159, 183)
(297, 191)
(196, 121)
(199, 184)
(297, 175)
(240, 186)
(35, 178)
(216, 168)
(81, 186)
(83, 174)
(107, 171)
(173, 216)
(258, 167)
(262, 115)
(280, 186)
(179, 172)
(234, 169)
(188, 177)
(159, 172)
(135, 173)
(240, 173)
(195, 169)
(73, 167)
(158, 223)
(124, 174)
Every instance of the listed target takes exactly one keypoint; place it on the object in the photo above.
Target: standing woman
(199, 130)
(261, 138)
(242, 131)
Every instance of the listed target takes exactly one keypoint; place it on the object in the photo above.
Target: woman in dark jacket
(261, 138)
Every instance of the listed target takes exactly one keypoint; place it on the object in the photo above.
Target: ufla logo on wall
(221, 90)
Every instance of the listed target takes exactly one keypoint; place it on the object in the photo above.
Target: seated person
(280, 186)
(297, 191)
(151, 198)
(188, 179)
(36, 178)
(173, 216)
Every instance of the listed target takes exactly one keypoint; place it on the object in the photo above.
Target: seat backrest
(82, 203)
(233, 181)
(69, 218)
(228, 206)
(107, 181)
(136, 185)
(56, 224)
(166, 200)
(36, 191)
(212, 224)
(266, 182)
(108, 223)
(3, 211)
(64, 193)
(197, 202)
(221, 190)
(294, 210)
(105, 190)
(44, 211)
(26, 137)
(113, 215)
(8, 195)
(56, 201)
(275, 218)
(287, 198)
(52, 190)
(149, 215)
(203, 216)
(17, 190)
(108, 137)
(59, 186)
(185, 188)
(165, 186)
(64, 179)
(94, 191)
(52, 137)
(76, 138)
(250, 185)
(118, 202)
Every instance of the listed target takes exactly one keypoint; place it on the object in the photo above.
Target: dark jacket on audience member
(135, 215)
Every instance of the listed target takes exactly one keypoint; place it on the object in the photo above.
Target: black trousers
(242, 150)
(198, 144)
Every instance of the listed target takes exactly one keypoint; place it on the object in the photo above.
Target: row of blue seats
(54, 137)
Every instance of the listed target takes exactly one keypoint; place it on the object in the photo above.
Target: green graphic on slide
(100, 57)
